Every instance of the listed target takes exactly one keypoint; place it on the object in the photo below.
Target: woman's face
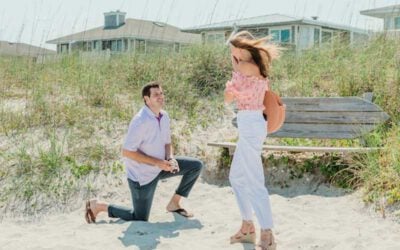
(240, 55)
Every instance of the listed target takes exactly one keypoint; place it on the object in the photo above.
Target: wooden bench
(324, 118)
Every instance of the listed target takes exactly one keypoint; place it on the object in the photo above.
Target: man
(148, 157)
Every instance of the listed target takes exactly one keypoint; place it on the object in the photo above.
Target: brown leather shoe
(89, 215)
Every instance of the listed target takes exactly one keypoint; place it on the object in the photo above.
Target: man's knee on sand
(198, 165)
(141, 217)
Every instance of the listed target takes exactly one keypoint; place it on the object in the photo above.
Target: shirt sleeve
(135, 135)
(168, 134)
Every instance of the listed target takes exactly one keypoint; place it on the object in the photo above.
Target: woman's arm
(228, 97)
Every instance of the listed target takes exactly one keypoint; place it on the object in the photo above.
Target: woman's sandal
(247, 237)
(240, 237)
(268, 243)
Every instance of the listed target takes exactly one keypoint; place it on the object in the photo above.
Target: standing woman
(251, 60)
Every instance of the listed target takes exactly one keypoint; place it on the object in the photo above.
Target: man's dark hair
(148, 86)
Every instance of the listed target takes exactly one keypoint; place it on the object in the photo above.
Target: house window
(293, 34)
(275, 35)
(177, 47)
(64, 48)
(113, 45)
(106, 45)
(140, 46)
(89, 46)
(126, 44)
(216, 38)
(119, 45)
(259, 32)
(397, 23)
(317, 36)
(116, 45)
(285, 36)
(326, 36)
(281, 36)
(96, 45)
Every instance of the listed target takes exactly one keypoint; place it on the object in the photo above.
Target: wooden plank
(231, 146)
(336, 117)
(320, 131)
(323, 131)
(329, 104)
(333, 117)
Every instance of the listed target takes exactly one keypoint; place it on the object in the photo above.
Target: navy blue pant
(142, 196)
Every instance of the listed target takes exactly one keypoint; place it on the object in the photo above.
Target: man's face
(156, 99)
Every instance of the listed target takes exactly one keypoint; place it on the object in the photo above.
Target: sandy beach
(305, 218)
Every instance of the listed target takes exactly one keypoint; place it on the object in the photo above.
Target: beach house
(23, 49)
(390, 16)
(298, 33)
(120, 34)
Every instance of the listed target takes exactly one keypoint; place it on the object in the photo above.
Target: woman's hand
(229, 87)
(230, 92)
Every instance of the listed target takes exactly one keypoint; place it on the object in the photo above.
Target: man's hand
(165, 165)
(174, 164)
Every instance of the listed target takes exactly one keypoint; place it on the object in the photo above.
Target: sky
(37, 21)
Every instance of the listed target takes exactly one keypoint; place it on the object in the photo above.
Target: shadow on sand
(146, 235)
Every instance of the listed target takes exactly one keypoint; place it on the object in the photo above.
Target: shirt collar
(151, 114)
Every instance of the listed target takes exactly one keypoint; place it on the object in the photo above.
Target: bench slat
(320, 131)
(323, 131)
(329, 104)
(336, 117)
(231, 146)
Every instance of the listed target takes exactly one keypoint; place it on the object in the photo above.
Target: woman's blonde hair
(261, 51)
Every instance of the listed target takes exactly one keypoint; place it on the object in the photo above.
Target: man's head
(153, 96)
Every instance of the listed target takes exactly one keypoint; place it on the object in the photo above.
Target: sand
(305, 218)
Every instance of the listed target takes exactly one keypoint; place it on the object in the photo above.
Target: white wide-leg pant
(247, 174)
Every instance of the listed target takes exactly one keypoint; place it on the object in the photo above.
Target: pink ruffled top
(248, 91)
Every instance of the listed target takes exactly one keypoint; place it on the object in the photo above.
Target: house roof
(382, 12)
(269, 20)
(22, 49)
(134, 28)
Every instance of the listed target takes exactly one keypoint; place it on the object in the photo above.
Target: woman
(251, 60)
